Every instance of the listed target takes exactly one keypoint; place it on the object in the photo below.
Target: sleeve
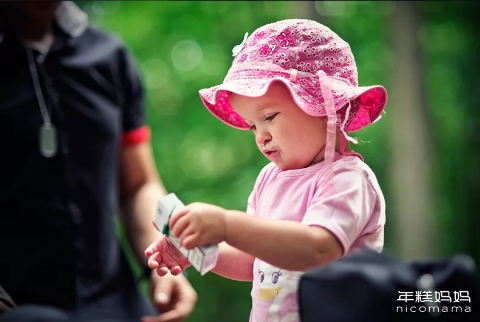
(253, 197)
(134, 128)
(343, 204)
(251, 204)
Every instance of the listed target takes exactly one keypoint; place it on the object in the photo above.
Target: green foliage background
(183, 46)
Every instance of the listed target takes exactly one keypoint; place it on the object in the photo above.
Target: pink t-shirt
(344, 198)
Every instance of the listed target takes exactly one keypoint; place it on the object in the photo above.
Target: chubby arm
(285, 244)
(234, 264)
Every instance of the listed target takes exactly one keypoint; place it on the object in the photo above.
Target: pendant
(48, 140)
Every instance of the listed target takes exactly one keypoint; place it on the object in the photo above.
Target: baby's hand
(163, 256)
(199, 224)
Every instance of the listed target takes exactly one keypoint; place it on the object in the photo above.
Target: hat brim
(372, 101)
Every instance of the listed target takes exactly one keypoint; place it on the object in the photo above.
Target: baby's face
(285, 134)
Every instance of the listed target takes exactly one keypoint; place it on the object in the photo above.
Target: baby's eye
(271, 117)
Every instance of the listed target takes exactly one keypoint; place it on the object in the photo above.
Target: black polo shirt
(57, 237)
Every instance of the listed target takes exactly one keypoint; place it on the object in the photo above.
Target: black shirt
(57, 235)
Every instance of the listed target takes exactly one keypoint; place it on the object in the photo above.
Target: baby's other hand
(163, 256)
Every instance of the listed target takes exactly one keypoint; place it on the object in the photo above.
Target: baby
(292, 83)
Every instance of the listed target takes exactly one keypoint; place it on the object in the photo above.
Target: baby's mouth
(271, 154)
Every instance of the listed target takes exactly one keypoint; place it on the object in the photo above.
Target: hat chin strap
(331, 118)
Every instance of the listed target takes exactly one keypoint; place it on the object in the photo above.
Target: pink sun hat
(316, 66)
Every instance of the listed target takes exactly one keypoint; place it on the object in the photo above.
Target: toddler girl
(292, 83)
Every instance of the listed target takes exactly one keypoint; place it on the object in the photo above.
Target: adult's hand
(173, 296)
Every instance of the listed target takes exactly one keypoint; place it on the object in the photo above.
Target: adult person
(75, 146)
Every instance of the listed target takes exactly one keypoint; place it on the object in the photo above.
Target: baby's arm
(285, 244)
(234, 264)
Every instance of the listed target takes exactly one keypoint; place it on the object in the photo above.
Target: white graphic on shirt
(276, 284)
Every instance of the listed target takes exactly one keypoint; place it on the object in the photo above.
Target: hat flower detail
(238, 48)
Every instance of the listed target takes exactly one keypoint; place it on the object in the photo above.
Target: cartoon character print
(280, 287)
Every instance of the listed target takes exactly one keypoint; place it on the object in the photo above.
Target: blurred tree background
(424, 150)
